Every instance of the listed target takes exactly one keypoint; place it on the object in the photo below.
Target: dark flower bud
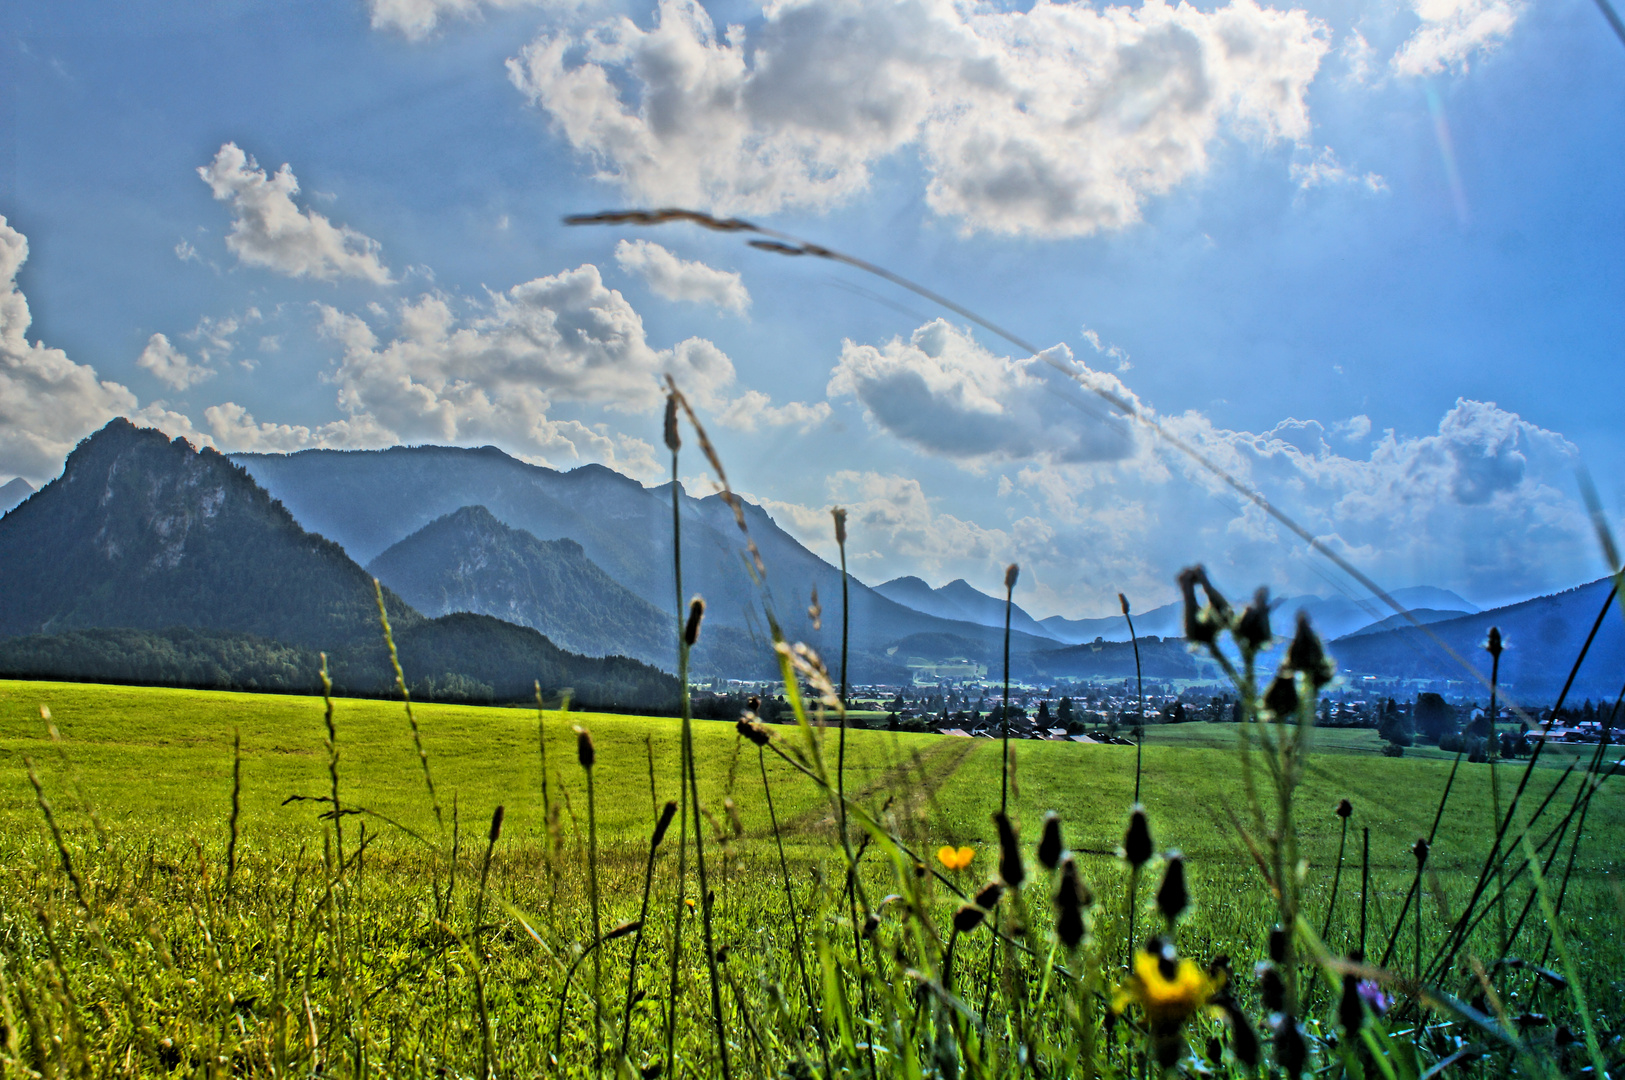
(1282, 696)
(1345, 809)
(653, 1070)
(1277, 944)
(1219, 613)
(1350, 1010)
(1291, 1051)
(667, 812)
(1010, 867)
(1306, 655)
(696, 612)
(584, 748)
(1420, 851)
(1071, 900)
(1049, 844)
(1494, 643)
(968, 918)
(870, 925)
(1271, 988)
(1010, 573)
(673, 441)
(1172, 899)
(839, 514)
(1137, 841)
(496, 824)
(1197, 626)
(754, 703)
(1122, 599)
(753, 731)
(1254, 627)
(989, 896)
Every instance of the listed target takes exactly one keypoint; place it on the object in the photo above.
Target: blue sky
(1369, 256)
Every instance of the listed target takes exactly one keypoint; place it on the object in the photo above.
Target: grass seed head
(696, 612)
(1010, 574)
(667, 813)
(673, 440)
(839, 514)
(1010, 865)
(496, 824)
(585, 753)
(1122, 598)
(815, 610)
(1137, 846)
(1420, 851)
(1049, 844)
(1493, 645)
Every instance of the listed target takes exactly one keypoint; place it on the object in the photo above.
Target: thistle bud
(1420, 851)
(989, 896)
(1172, 899)
(968, 918)
(1137, 845)
(1282, 696)
(754, 703)
(585, 753)
(1243, 1039)
(1350, 1010)
(496, 824)
(1010, 574)
(1494, 643)
(1197, 628)
(1271, 988)
(1306, 655)
(839, 514)
(667, 813)
(1291, 1051)
(1254, 627)
(1049, 844)
(696, 612)
(1010, 867)
(1277, 944)
(1345, 809)
(753, 731)
(1123, 599)
(673, 441)
(1071, 900)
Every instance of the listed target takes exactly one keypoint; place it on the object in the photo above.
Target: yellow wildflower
(1166, 989)
(955, 860)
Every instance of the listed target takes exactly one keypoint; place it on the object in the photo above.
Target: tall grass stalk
(237, 802)
(661, 825)
(1010, 574)
(1139, 696)
(587, 757)
(406, 699)
(840, 757)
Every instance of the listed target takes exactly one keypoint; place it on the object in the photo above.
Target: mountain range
(184, 554)
(496, 571)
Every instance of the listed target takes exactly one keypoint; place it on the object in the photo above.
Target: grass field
(367, 966)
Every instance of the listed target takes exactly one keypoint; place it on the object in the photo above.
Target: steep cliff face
(139, 531)
(470, 561)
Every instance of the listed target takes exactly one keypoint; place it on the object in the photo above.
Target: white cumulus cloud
(946, 394)
(169, 365)
(268, 229)
(683, 279)
(1058, 121)
(47, 401)
(1452, 31)
(418, 19)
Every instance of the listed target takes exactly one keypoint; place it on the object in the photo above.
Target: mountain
(368, 500)
(13, 492)
(961, 601)
(204, 573)
(142, 532)
(1542, 636)
(1424, 616)
(1332, 616)
(470, 561)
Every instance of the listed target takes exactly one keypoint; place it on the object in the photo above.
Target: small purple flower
(1373, 996)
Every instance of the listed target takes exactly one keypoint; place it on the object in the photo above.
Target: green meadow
(375, 948)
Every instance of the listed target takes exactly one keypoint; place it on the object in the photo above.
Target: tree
(1064, 712)
(1432, 717)
(1393, 729)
